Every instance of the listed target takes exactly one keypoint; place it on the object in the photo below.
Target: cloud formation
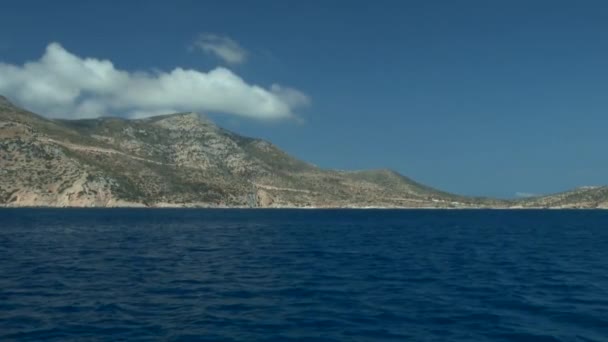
(222, 47)
(61, 84)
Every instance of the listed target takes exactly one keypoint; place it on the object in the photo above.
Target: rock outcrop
(184, 160)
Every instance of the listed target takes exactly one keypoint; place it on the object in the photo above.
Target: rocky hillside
(186, 160)
(584, 197)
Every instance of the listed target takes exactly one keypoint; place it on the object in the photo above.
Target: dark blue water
(267, 275)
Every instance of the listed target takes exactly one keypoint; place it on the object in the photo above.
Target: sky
(486, 98)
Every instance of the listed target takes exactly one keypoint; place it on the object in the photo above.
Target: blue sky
(474, 97)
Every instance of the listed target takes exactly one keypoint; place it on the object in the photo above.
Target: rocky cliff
(184, 160)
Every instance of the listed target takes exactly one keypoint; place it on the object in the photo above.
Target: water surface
(303, 275)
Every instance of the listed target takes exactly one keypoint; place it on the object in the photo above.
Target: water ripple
(335, 275)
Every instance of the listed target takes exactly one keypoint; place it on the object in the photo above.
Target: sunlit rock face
(186, 160)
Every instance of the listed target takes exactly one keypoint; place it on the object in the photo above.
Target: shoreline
(194, 207)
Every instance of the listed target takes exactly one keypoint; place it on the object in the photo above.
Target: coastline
(223, 207)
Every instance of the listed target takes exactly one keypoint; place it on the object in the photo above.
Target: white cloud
(221, 46)
(61, 84)
(292, 97)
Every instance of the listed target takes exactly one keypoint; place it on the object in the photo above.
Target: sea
(303, 275)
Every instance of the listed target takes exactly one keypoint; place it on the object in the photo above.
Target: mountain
(184, 160)
(580, 198)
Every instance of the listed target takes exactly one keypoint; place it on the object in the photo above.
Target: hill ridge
(185, 160)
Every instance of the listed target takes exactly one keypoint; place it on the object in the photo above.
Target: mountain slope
(182, 160)
(584, 197)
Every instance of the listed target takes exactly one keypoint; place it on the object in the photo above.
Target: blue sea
(303, 275)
